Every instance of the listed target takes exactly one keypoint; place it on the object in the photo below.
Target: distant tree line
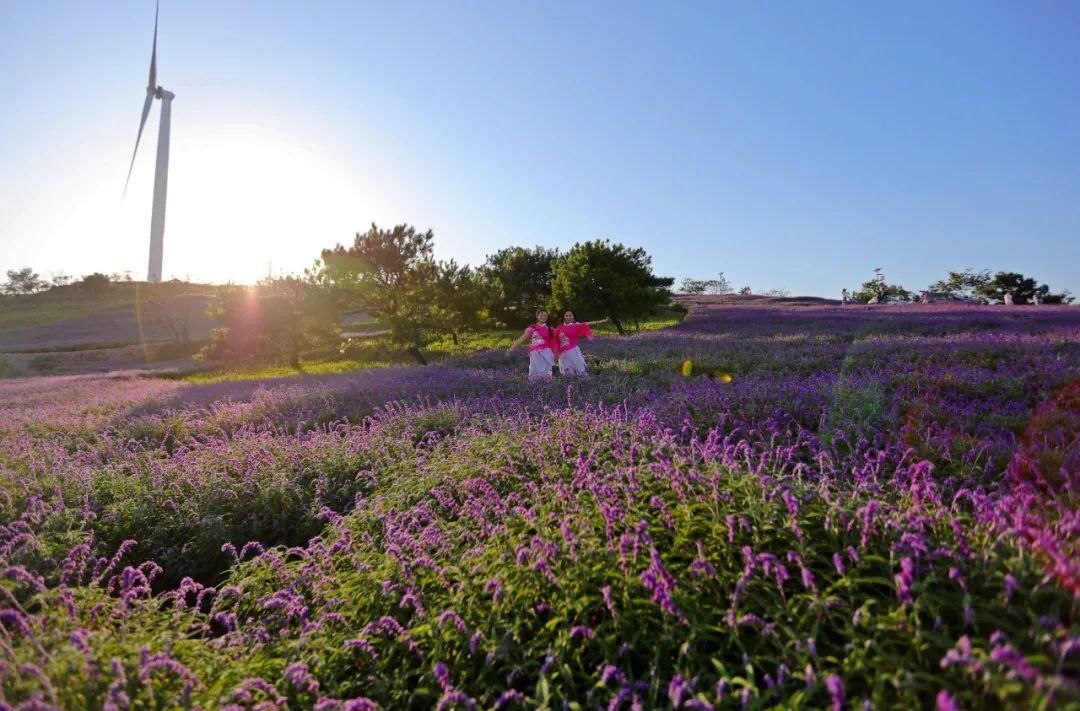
(696, 287)
(967, 285)
(712, 287)
(393, 275)
(25, 281)
(981, 285)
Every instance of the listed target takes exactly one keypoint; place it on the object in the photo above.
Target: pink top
(567, 335)
(539, 336)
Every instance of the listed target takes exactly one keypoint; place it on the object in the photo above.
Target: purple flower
(904, 580)
(15, 621)
(606, 592)
(945, 702)
(510, 696)
(661, 584)
(611, 673)
(297, 675)
(451, 617)
(838, 563)
(442, 675)
(582, 631)
(494, 587)
(117, 698)
(1011, 585)
(1017, 663)
(835, 685)
(700, 566)
(679, 689)
(960, 654)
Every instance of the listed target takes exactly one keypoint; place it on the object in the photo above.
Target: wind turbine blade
(151, 87)
(138, 137)
(151, 82)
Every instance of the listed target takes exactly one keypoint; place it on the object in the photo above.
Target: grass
(72, 348)
(379, 353)
(257, 371)
(73, 301)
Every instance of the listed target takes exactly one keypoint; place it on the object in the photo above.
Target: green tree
(1021, 287)
(276, 320)
(1063, 297)
(23, 281)
(393, 275)
(963, 284)
(601, 277)
(878, 288)
(95, 284)
(692, 287)
(518, 281)
(981, 285)
(461, 300)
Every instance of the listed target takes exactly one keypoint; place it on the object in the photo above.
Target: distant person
(1038, 298)
(843, 297)
(567, 334)
(541, 355)
(1008, 299)
(924, 297)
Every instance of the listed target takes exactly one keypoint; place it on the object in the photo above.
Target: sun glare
(246, 202)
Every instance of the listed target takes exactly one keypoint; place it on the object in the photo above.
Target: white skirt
(572, 362)
(540, 364)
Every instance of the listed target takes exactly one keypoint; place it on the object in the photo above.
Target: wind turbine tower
(161, 171)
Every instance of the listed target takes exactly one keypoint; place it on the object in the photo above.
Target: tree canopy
(963, 285)
(23, 281)
(276, 320)
(609, 279)
(879, 288)
(393, 275)
(461, 299)
(518, 281)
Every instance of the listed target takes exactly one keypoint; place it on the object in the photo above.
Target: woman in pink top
(571, 362)
(541, 356)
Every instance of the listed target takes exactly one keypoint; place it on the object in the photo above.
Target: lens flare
(687, 368)
(723, 378)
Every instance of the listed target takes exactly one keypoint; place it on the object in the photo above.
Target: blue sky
(794, 145)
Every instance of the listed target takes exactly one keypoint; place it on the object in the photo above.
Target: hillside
(72, 302)
(834, 507)
(125, 326)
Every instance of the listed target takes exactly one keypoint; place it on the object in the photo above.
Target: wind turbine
(161, 172)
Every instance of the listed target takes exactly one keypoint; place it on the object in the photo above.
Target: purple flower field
(877, 509)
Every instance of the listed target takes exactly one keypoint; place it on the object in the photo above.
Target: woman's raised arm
(521, 339)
